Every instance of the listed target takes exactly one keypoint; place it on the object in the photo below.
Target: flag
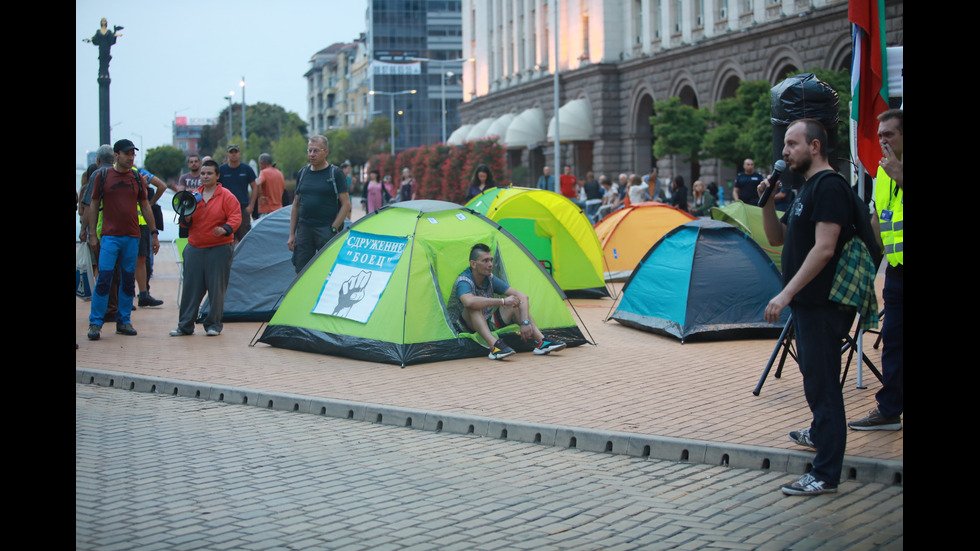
(869, 76)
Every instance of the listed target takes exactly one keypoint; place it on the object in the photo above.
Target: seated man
(473, 306)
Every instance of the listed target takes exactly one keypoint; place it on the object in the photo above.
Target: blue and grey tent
(704, 279)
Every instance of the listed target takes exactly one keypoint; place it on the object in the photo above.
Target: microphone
(777, 171)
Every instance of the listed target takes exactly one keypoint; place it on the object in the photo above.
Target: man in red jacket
(208, 254)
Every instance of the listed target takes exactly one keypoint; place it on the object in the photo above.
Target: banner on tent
(360, 275)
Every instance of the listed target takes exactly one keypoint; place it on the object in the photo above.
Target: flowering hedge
(444, 171)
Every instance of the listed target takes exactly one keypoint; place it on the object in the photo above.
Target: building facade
(187, 133)
(408, 46)
(416, 45)
(615, 58)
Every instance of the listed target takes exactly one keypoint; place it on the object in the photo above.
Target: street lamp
(442, 77)
(392, 111)
(242, 84)
(230, 97)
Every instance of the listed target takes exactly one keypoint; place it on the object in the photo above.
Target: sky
(181, 58)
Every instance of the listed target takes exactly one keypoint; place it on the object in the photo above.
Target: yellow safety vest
(889, 199)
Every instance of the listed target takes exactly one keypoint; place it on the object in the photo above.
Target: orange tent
(628, 233)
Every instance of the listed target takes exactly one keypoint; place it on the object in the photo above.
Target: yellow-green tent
(554, 229)
(379, 290)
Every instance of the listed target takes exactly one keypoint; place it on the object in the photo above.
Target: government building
(615, 58)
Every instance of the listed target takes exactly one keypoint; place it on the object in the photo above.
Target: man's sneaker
(545, 347)
(876, 421)
(802, 437)
(807, 485)
(499, 350)
(146, 300)
(213, 332)
(125, 329)
(178, 333)
(94, 332)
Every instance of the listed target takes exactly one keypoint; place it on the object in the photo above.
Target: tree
(743, 126)
(165, 161)
(265, 123)
(290, 154)
(679, 129)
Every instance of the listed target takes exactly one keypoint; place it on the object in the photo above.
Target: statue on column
(104, 39)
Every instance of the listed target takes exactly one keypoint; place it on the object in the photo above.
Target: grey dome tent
(704, 279)
(261, 270)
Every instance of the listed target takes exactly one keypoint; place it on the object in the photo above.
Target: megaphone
(184, 203)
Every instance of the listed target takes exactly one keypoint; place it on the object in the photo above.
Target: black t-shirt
(827, 202)
(237, 180)
(592, 190)
(319, 203)
(748, 187)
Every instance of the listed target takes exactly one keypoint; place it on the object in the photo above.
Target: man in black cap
(237, 178)
(118, 190)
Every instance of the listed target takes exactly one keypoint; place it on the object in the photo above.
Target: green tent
(378, 291)
(749, 219)
(554, 230)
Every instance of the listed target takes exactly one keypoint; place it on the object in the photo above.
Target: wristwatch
(526, 322)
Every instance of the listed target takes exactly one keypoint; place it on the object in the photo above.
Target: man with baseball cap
(118, 190)
(237, 178)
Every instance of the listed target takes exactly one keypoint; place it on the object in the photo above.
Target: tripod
(785, 344)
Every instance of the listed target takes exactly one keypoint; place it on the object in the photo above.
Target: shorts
(494, 321)
(144, 246)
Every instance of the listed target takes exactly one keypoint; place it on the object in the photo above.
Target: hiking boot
(545, 347)
(807, 485)
(94, 332)
(876, 421)
(802, 437)
(499, 350)
(145, 300)
(213, 332)
(125, 329)
(178, 333)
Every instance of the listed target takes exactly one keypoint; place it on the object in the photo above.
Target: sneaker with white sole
(213, 332)
(802, 437)
(499, 350)
(876, 421)
(545, 347)
(808, 485)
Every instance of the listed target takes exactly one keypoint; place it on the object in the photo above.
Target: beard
(800, 167)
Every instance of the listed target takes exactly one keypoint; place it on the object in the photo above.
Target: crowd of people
(820, 234)
(599, 197)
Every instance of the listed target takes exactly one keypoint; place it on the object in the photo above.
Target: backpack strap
(331, 175)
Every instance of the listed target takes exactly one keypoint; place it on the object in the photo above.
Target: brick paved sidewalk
(630, 381)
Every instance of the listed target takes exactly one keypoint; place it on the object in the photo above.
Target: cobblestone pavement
(166, 472)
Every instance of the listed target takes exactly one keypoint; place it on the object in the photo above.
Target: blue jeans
(819, 332)
(113, 248)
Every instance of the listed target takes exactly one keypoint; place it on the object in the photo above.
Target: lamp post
(242, 84)
(442, 77)
(392, 111)
(231, 114)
